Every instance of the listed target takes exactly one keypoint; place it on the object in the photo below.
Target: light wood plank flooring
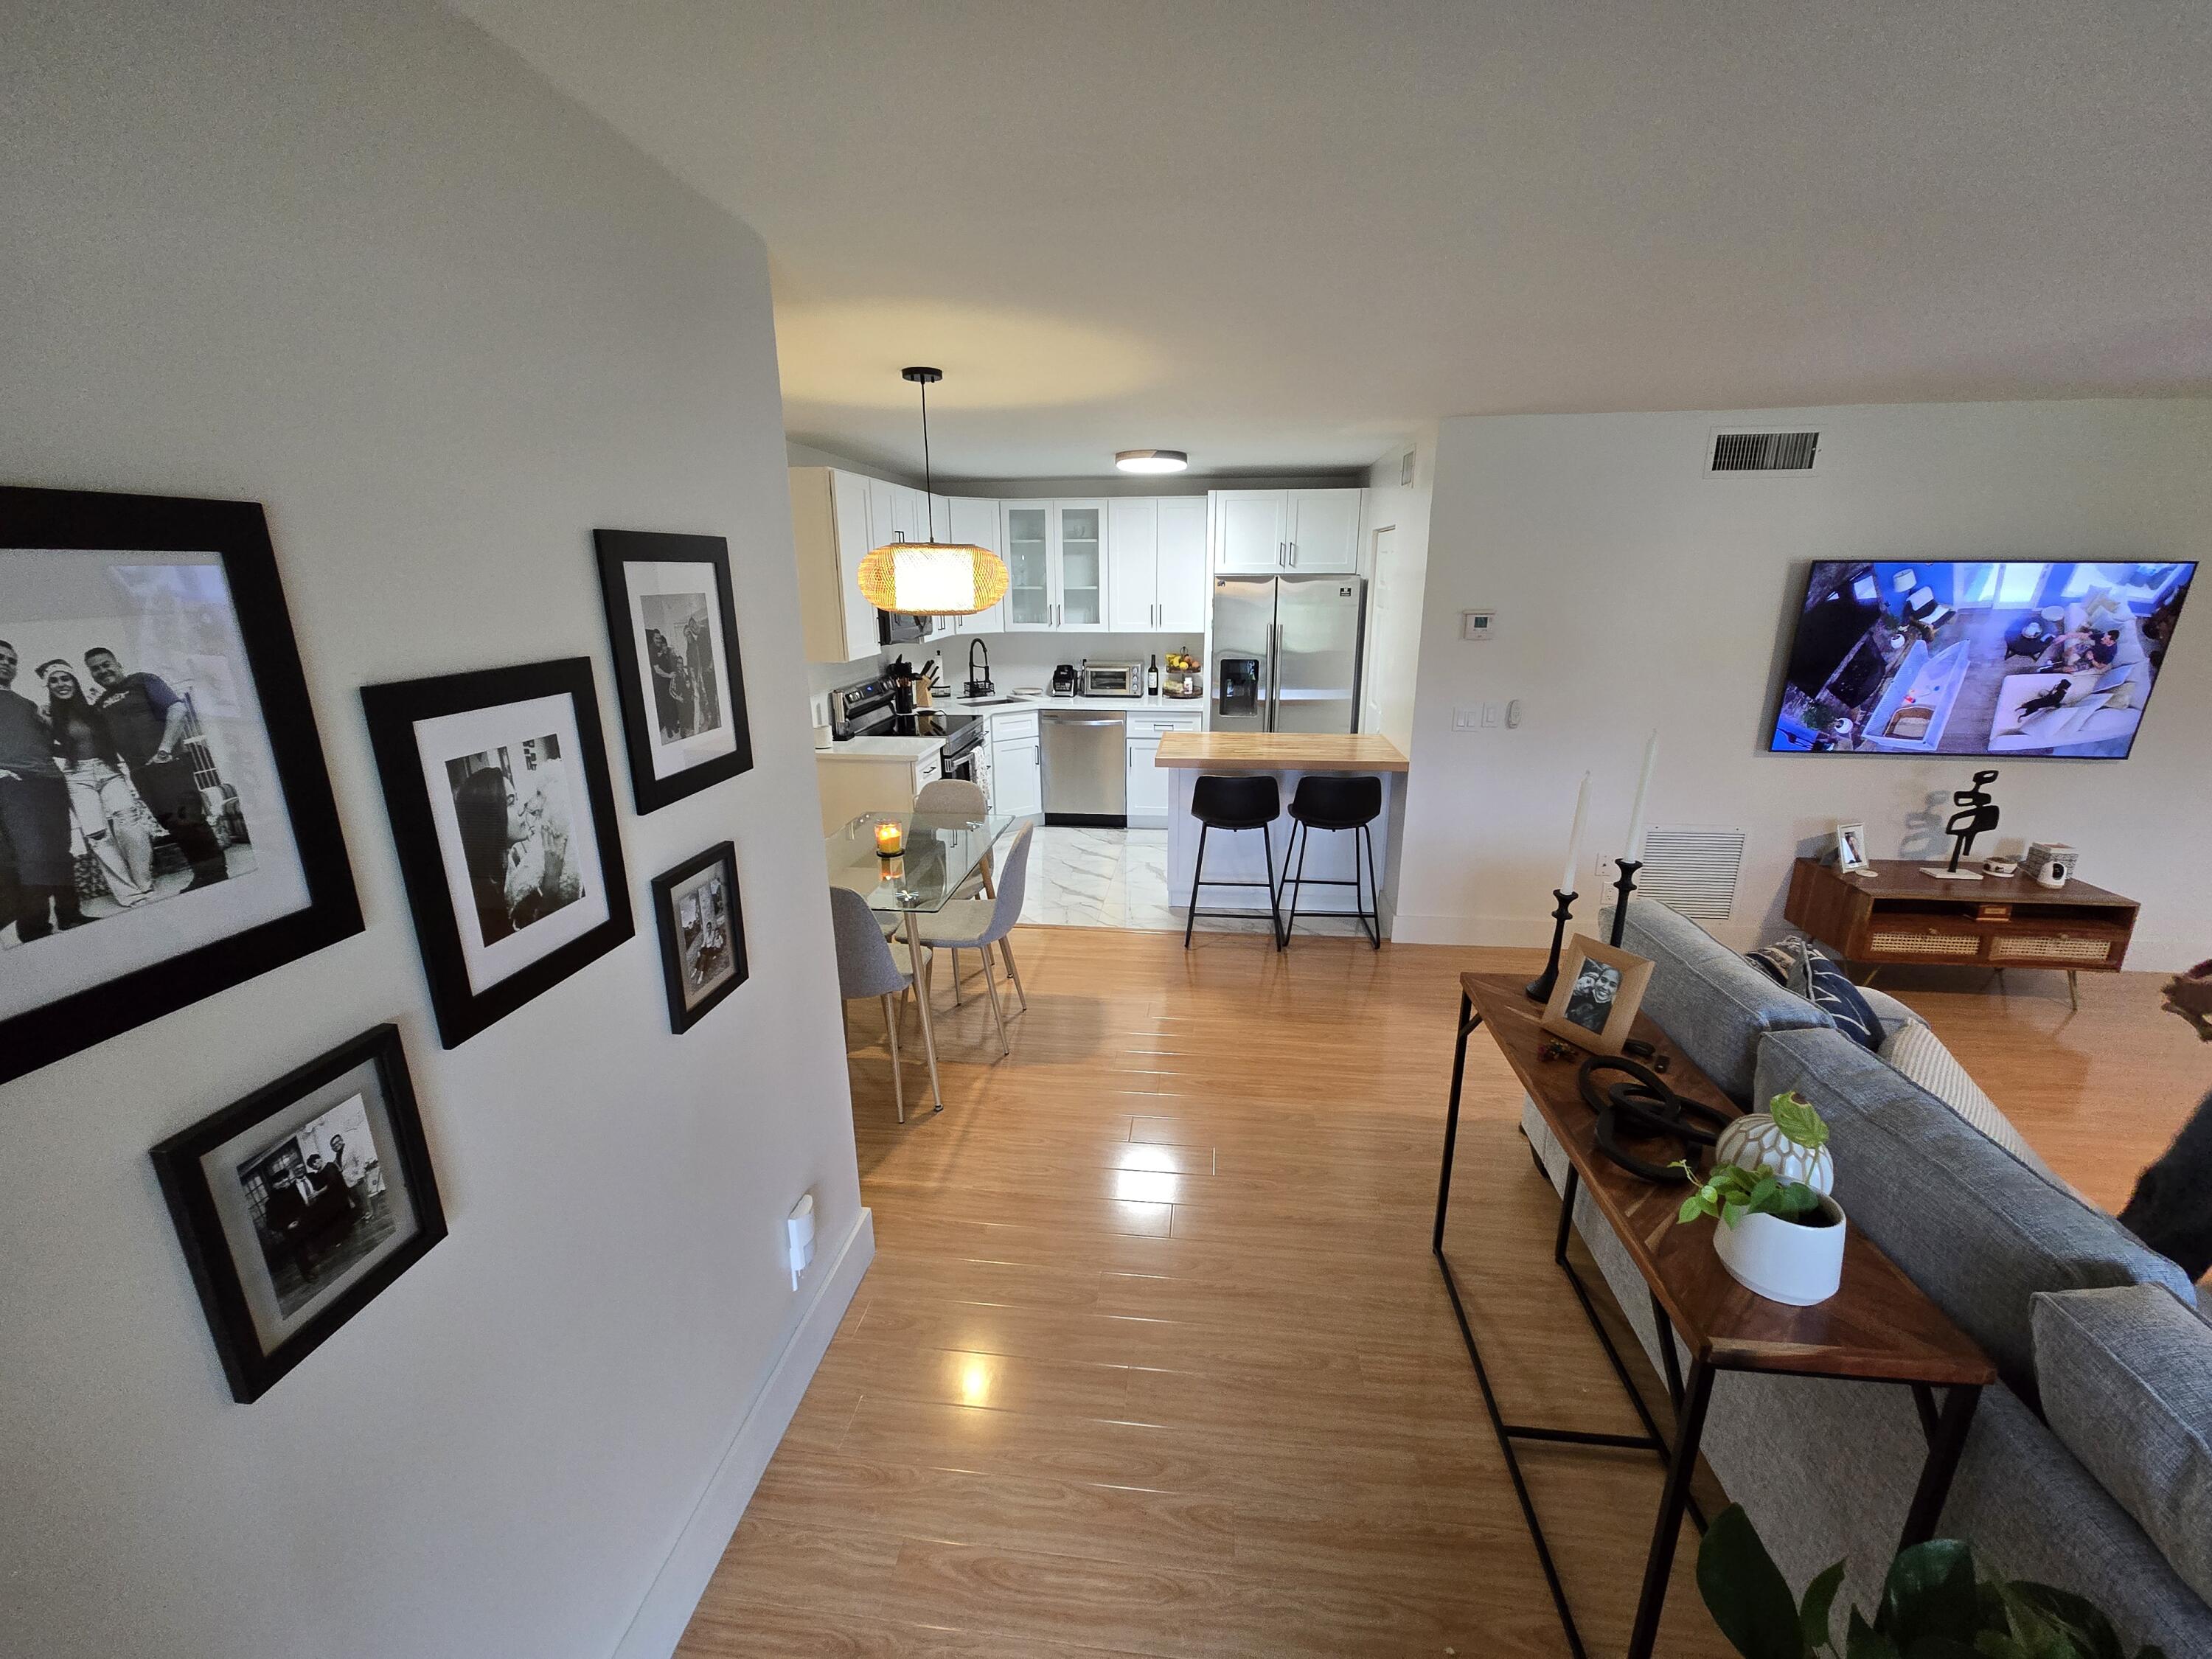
(1154, 1360)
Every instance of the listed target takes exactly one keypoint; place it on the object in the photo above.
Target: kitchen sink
(992, 703)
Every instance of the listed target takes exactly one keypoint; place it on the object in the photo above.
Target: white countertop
(1155, 705)
(879, 749)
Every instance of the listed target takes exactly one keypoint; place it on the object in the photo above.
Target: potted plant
(1933, 1607)
(1780, 1236)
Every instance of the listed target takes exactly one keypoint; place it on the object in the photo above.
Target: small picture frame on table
(1599, 990)
(497, 784)
(166, 825)
(702, 933)
(1850, 850)
(300, 1204)
(673, 623)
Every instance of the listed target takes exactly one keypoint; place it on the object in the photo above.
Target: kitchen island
(1289, 755)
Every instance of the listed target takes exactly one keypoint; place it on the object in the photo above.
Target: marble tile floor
(1082, 877)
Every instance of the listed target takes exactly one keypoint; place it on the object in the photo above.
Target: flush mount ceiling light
(1151, 460)
(932, 578)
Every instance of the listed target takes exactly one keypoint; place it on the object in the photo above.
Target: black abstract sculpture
(1978, 818)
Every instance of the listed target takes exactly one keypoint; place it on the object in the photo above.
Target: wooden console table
(1878, 1328)
(1895, 912)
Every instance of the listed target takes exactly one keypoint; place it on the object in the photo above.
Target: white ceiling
(1280, 234)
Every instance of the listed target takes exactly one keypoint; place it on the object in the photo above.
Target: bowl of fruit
(1181, 678)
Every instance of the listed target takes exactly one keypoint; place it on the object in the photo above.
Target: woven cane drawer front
(1922, 942)
(2049, 947)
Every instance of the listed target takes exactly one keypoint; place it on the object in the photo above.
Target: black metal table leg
(1469, 1019)
(1945, 1446)
(1659, 1564)
(1674, 1364)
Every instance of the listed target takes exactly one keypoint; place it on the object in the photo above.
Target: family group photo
(680, 645)
(318, 1203)
(113, 794)
(512, 806)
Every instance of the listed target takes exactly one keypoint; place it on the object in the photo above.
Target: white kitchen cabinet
(1157, 563)
(1056, 557)
(1017, 771)
(972, 519)
(1183, 589)
(896, 512)
(853, 784)
(831, 533)
(1147, 787)
(1281, 530)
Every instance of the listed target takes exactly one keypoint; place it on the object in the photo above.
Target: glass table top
(939, 852)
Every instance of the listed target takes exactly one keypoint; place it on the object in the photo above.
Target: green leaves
(1732, 1192)
(1930, 1593)
(1794, 1115)
(1748, 1596)
(1820, 1600)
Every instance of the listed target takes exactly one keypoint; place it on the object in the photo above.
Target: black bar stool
(1250, 802)
(1329, 801)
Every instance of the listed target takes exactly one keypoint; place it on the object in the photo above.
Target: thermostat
(1477, 624)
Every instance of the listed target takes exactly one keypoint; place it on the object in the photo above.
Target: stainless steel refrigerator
(1286, 652)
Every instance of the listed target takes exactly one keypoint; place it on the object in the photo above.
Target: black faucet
(978, 685)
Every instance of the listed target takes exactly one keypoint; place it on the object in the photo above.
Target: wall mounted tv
(1936, 657)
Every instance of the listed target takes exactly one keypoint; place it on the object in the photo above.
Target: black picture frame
(238, 532)
(617, 549)
(683, 1014)
(393, 711)
(179, 1164)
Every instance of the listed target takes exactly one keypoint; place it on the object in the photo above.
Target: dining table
(939, 853)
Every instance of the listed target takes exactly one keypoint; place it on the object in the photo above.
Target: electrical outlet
(1466, 720)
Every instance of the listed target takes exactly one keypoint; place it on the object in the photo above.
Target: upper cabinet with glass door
(1055, 554)
(1082, 531)
(1027, 552)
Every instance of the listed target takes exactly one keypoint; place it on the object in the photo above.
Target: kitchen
(1127, 620)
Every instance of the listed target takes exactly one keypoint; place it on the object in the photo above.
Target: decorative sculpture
(1979, 818)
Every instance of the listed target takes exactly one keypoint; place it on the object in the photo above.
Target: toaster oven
(1113, 679)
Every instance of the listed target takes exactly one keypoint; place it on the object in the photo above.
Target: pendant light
(932, 578)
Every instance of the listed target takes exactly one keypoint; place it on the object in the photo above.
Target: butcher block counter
(1239, 855)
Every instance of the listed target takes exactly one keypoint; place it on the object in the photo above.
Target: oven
(963, 754)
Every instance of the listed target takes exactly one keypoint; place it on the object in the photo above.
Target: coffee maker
(1064, 680)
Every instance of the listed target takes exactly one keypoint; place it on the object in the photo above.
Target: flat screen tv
(1936, 657)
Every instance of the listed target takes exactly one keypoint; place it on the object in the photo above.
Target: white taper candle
(1643, 794)
(1575, 837)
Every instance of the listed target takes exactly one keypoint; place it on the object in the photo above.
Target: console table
(1896, 912)
(1878, 1328)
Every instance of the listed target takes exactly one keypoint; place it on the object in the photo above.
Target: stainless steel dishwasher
(1086, 779)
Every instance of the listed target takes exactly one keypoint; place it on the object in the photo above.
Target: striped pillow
(1918, 1054)
(1795, 964)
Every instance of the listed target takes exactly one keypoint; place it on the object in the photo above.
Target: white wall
(1391, 662)
(1636, 591)
(355, 261)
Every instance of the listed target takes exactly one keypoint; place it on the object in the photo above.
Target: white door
(1323, 529)
(1080, 544)
(1017, 776)
(1133, 560)
(1027, 548)
(1182, 586)
(1382, 609)
(1252, 530)
(972, 519)
(849, 496)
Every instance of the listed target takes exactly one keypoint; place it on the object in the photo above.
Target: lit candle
(891, 840)
(1642, 794)
(1575, 837)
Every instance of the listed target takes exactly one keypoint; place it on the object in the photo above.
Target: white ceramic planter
(1754, 1141)
(1783, 1261)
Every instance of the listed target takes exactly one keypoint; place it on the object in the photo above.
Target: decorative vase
(1783, 1261)
(1755, 1141)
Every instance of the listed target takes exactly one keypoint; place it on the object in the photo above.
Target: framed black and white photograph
(1595, 1003)
(702, 933)
(1850, 848)
(299, 1204)
(497, 782)
(673, 622)
(167, 824)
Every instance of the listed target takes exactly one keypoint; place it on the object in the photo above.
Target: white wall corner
(674, 1595)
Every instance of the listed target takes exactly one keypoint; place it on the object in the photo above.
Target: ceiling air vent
(1692, 870)
(1764, 451)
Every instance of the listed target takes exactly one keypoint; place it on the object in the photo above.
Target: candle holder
(1625, 886)
(1539, 989)
(890, 841)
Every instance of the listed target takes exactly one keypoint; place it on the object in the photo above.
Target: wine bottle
(1153, 677)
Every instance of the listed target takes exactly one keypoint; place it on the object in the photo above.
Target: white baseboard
(660, 1621)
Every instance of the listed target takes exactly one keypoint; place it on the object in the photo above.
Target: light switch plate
(1466, 720)
(1490, 713)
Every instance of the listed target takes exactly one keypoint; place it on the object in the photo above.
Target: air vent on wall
(1764, 451)
(1692, 870)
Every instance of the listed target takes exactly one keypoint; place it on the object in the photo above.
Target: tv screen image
(1958, 657)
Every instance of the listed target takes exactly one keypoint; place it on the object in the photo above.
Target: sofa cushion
(1970, 1224)
(1797, 964)
(1920, 1053)
(1711, 1001)
(2127, 1385)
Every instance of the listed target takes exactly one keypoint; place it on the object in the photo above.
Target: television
(1959, 657)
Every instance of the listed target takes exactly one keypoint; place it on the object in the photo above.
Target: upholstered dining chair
(958, 797)
(977, 924)
(868, 965)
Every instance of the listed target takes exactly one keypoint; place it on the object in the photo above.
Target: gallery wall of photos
(168, 830)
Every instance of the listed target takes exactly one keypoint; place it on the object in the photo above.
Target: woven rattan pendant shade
(932, 578)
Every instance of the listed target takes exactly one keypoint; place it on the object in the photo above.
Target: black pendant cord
(1539, 989)
(1625, 886)
(928, 478)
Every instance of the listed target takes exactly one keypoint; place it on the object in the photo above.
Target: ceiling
(1281, 234)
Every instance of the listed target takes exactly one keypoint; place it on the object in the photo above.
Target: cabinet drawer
(1151, 725)
(1021, 724)
(1892, 940)
(2076, 949)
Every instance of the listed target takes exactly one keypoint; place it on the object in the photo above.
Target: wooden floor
(1154, 1359)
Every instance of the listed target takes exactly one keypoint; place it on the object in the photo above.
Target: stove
(867, 709)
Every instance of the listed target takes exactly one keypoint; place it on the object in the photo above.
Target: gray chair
(958, 797)
(977, 924)
(868, 966)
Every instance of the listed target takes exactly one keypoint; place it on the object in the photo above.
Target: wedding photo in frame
(300, 1204)
(673, 622)
(702, 933)
(1600, 989)
(497, 784)
(166, 825)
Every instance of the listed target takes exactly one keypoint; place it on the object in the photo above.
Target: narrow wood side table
(1879, 1327)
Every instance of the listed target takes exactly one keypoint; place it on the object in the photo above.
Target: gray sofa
(1827, 1468)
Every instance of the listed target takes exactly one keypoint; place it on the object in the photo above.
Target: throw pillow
(1918, 1054)
(2126, 1379)
(1796, 964)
